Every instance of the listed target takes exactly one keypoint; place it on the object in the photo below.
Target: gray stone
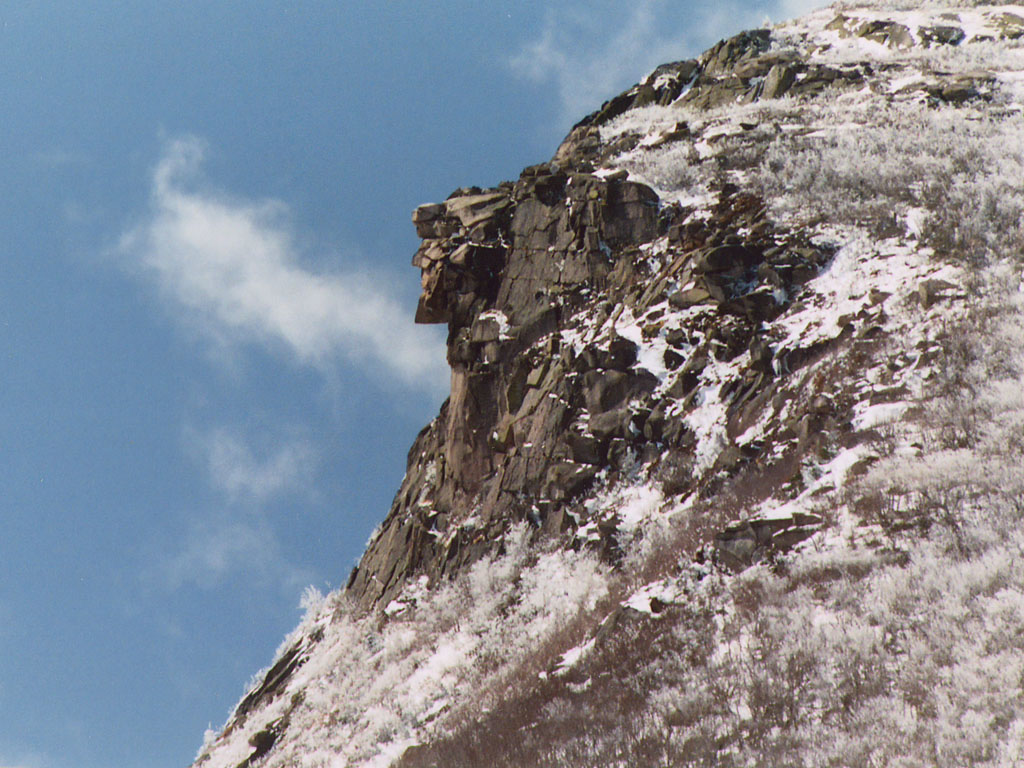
(888, 33)
(941, 35)
(614, 423)
(724, 258)
(605, 390)
(567, 479)
(474, 209)
(426, 218)
(485, 329)
(1011, 26)
(745, 543)
(779, 80)
(689, 297)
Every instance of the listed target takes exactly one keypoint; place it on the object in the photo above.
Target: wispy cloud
(591, 51)
(588, 64)
(237, 535)
(219, 547)
(234, 268)
(242, 474)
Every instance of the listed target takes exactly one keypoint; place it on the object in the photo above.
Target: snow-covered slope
(732, 470)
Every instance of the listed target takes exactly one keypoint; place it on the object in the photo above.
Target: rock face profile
(731, 458)
(535, 416)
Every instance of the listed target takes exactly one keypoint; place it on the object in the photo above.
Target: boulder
(620, 355)
(761, 355)
(746, 543)
(584, 449)
(724, 258)
(688, 376)
(689, 297)
(486, 328)
(779, 80)
(610, 424)
(941, 35)
(1011, 26)
(888, 33)
(840, 24)
(567, 479)
(471, 210)
(757, 306)
(426, 218)
(605, 390)
(673, 359)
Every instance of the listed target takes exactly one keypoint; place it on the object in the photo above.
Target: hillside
(731, 468)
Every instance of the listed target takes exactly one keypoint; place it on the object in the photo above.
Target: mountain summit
(732, 468)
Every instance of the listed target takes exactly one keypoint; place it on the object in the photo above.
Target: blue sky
(211, 376)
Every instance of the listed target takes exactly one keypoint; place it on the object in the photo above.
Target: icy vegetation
(890, 632)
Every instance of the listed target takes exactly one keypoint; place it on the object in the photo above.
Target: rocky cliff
(689, 355)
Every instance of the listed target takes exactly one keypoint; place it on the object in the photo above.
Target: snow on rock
(716, 349)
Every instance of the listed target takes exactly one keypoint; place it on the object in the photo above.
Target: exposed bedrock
(521, 274)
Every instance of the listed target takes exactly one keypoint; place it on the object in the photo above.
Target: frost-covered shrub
(958, 176)
(370, 687)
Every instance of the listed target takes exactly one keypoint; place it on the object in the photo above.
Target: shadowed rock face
(505, 268)
(531, 420)
(518, 270)
(604, 342)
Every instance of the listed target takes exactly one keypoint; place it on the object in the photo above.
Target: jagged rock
(779, 80)
(486, 328)
(689, 297)
(534, 277)
(746, 543)
(568, 479)
(941, 35)
(724, 56)
(614, 423)
(606, 390)
(619, 356)
(426, 219)
(888, 33)
(509, 269)
(1011, 26)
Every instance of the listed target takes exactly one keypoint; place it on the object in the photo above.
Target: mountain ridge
(696, 359)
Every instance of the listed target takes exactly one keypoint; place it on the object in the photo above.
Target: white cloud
(585, 74)
(592, 51)
(237, 470)
(233, 269)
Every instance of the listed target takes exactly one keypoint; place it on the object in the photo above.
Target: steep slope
(730, 469)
